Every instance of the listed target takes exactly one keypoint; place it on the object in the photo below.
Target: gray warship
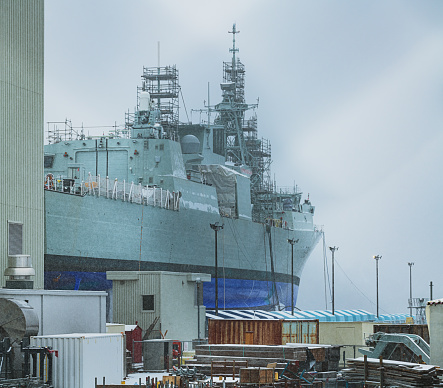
(149, 195)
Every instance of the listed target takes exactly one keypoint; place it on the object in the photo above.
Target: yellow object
(409, 320)
(220, 378)
(276, 376)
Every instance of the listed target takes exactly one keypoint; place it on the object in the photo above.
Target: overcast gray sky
(351, 98)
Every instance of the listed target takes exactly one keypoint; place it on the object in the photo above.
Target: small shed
(160, 301)
(133, 341)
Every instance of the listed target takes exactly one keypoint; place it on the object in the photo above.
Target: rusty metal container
(262, 332)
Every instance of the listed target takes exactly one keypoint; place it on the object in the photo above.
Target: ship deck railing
(116, 190)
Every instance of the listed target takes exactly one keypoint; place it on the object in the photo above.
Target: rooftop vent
(19, 272)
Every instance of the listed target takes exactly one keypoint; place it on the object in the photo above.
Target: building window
(49, 161)
(15, 238)
(148, 302)
(162, 147)
(151, 179)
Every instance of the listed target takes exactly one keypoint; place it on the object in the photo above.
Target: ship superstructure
(144, 196)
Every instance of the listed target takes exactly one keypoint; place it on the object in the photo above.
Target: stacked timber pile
(386, 373)
(322, 358)
(241, 356)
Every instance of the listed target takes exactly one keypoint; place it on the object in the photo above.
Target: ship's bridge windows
(148, 302)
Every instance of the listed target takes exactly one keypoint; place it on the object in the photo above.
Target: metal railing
(116, 190)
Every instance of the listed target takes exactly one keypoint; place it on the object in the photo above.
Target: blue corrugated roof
(321, 315)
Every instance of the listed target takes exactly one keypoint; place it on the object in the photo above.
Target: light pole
(410, 288)
(333, 249)
(377, 258)
(292, 242)
(216, 227)
(197, 282)
(430, 289)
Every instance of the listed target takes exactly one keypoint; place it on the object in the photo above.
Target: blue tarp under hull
(232, 293)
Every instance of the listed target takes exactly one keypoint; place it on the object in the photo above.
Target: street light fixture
(377, 258)
(333, 249)
(410, 288)
(292, 242)
(216, 227)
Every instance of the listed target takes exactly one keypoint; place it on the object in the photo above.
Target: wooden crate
(256, 375)
(172, 380)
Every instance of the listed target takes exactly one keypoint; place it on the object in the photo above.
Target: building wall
(174, 302)
(179, 307)
(21, 128)
(127, 299)
(434, 316)
(352, 334)
(63, 312)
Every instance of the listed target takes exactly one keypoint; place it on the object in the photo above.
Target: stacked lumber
(325, 357)
(256, 376)
(254, 351)
(391, 373)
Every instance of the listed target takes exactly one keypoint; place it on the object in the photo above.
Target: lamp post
(377, 258)
(292, 242)
(333, 249)
(216, 227)
(410, 288)
(197, 283)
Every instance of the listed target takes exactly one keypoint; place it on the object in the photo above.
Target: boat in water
(163, 195)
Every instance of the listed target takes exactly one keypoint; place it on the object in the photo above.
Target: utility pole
(292, 242)
(410, 288)
(216, 227)
(197, 283)
(377, 258)
(333, 249)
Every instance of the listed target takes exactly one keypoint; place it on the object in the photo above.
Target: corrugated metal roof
(321, 315)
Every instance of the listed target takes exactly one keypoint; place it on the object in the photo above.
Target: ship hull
(87, 236)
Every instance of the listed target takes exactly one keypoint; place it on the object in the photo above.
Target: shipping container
(262, 331)
(81, 358)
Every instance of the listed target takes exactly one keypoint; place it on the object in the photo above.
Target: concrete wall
(434, 316)
(21, 128)
(174, 301)
(64, 312)
(179, 309)
(352, 334)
